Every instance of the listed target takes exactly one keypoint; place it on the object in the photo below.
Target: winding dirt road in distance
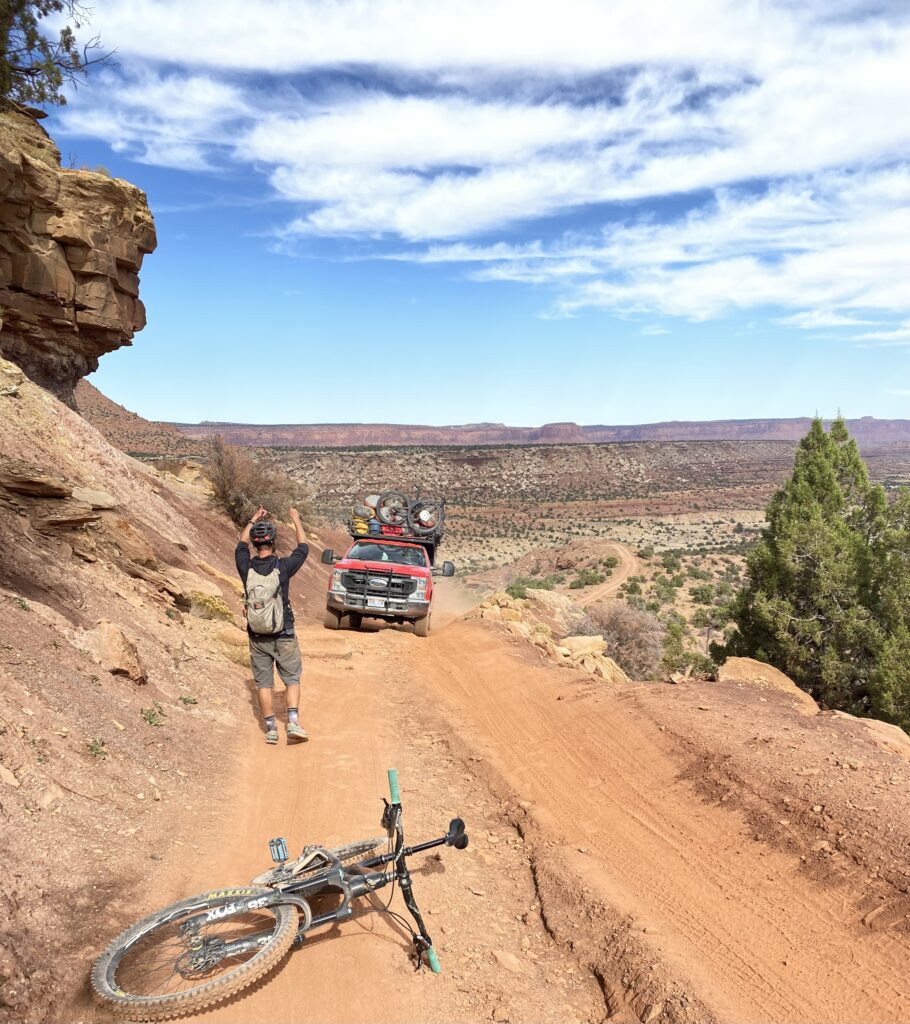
(598, 884)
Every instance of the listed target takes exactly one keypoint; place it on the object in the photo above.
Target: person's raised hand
(294, 514)
(260, 513)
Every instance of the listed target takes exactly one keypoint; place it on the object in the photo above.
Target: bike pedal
(278, 848)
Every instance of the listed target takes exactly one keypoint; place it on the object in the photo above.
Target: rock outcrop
(749, 672)
(71, 245)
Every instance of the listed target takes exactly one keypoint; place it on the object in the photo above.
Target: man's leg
(262, 660)
(289, 666)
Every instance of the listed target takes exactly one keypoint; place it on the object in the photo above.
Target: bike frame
(360, 879)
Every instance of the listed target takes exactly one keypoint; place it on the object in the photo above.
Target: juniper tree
(34, 64)
(828, 585)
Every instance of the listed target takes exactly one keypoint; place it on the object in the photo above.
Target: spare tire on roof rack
(425, 517)
(392, 508)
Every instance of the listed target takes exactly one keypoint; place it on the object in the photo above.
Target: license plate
(376, 602)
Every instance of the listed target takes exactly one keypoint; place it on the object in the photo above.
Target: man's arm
(242, 551)
(260, 513)
(299, 555)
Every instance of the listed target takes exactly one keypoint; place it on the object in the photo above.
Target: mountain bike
(208, 947)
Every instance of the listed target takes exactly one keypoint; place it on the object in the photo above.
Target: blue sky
(488, 210)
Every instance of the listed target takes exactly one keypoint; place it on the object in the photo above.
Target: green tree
(35, 64)
(828, 584)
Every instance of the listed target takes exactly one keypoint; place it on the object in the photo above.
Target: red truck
(387, 572)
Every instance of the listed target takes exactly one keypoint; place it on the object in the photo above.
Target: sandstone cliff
(71, 245)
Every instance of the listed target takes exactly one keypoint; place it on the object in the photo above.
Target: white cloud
(831, 248)
(441, 122)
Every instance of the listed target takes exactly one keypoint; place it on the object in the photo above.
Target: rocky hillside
(71, 246)
(131, 433)
(122, 675)
(868, 431)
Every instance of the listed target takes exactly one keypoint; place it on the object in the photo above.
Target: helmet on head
(263, 534)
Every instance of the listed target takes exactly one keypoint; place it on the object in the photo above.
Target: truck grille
(378, 584)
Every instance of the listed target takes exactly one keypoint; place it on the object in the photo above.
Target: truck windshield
(368, 552)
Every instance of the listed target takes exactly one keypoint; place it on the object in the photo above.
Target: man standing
(270, 618)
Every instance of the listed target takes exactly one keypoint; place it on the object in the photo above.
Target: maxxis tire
(164, 1007)
(359, 850)
(393, 499)
(332, 619)
(422, 626)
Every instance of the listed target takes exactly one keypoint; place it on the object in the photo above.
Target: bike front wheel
(193, 953)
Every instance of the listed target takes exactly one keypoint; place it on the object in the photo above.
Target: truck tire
(422, 626)
(332, 619)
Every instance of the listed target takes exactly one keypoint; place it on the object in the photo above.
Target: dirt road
(628, 566)
(598, 884)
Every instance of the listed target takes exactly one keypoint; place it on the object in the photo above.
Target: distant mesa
(868, 431)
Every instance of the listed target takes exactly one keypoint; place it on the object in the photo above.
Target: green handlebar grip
(393, 786)
(433, 961)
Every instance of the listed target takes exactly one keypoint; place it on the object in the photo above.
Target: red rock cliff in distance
(71, 245)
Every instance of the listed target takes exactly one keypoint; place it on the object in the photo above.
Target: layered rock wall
(71, 246)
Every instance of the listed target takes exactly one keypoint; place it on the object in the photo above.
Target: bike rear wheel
(178, 960)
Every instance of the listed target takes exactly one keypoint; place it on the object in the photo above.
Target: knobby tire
(109, 988)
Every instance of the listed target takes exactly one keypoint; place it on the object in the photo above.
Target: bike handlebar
(393, 786)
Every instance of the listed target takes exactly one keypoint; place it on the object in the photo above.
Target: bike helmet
(263, 534)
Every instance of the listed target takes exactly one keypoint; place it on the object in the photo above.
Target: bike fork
(422, 942)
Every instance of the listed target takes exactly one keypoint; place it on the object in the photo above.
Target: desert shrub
(518, 589)
(646, 552)
(670, 561)
(703, 594)
(586, 578)
(634, 637)
(677, 657)
(241, 483)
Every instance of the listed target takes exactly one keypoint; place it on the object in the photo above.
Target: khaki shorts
(284, 654)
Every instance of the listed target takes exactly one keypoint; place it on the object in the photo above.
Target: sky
(606, 211)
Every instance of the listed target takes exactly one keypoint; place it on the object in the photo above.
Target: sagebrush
(634, 638)
(241, 483)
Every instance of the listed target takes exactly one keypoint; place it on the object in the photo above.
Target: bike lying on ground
(205, 948)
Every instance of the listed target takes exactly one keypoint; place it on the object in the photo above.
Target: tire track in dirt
(757, 940)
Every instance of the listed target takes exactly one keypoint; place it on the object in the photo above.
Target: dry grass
(240, 484)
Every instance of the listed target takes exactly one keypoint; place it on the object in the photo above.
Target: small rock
(7, 776)
(507, 960)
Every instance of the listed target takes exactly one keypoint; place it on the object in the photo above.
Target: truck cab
(384, 576)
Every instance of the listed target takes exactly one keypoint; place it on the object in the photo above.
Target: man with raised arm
(270, 618)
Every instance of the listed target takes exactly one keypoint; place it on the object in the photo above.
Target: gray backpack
(264, 602)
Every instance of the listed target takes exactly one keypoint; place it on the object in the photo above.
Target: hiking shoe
(271, 736)
(296, 733)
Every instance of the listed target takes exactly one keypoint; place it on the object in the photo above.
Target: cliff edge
(71, 246)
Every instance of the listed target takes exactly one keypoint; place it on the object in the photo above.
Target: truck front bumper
(381, 607)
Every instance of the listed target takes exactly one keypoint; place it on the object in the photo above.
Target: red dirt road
(598, 885)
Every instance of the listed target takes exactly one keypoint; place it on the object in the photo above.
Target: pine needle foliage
(35, 63)
(827, 595)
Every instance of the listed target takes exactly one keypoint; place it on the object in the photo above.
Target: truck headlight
(336, 580)
(421, 590)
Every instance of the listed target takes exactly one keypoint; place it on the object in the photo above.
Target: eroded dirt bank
(649, 853)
